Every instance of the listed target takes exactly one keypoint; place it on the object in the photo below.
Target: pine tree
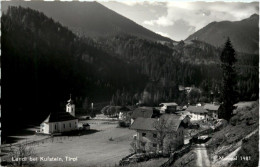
(228, 93)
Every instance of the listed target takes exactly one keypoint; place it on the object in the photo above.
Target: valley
(125, 84)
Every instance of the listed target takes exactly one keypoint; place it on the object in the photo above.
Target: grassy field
(105, 147)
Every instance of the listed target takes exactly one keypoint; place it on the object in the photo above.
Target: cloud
(199, 14)
(161, 21)
(179, 19)
(163, 34)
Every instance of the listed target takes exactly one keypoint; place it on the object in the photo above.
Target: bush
(111, 139)
(123, 124)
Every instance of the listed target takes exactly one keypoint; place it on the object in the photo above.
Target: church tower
(70, 107)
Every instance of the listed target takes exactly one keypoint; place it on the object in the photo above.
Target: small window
(143, 134)
(55, 127)
(70, 125)
(154, 145)
(154, 135)
(64, 126)
(75, 123)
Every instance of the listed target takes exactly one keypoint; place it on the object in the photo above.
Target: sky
(177, 20)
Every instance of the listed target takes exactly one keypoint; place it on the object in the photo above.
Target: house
(197, 113)
(59, 122)
(144, 112)
(212, 110)
(123, 113)
(148, 133)
(168, 107)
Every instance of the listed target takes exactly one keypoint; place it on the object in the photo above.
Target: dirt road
(202, 156)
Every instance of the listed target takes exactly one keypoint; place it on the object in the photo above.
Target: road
(202, 156)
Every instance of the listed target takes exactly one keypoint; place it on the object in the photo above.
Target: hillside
(89, 19)
(186, 63)
(238, 138)
(43, 63)
(243, 34)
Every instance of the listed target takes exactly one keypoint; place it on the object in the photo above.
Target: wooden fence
(175, 155)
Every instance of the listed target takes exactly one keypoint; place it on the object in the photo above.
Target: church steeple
(70, 100)
(70, 107)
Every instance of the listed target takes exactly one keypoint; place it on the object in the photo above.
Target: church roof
(70, 101)
(59, 117)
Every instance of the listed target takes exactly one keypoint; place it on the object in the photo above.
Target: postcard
(129, 83)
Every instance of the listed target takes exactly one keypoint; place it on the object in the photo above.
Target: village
(128, 135)
(140, 84)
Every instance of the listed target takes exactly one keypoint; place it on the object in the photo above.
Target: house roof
(196, 109)
(183, 112)
(58, 117)
(213, 107)
(144, 124)
(242, 104)
(169, 104)
(145, 112)
(172, 121)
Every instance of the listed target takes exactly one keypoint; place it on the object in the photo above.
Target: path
(202, 156)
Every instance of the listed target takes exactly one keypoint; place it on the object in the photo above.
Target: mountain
(43, 62)
(88, 19)
(243, 34)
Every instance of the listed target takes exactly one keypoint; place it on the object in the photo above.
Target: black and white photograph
(129, 83)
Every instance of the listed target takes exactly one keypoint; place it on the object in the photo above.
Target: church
(60, 122)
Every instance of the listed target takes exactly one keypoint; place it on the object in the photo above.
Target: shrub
(111, 139)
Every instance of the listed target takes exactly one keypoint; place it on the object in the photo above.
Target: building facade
(197, 113)
(148, 136)
(213, 110)
(168, 107)
(59, 122)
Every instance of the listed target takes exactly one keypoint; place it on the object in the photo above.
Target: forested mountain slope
(43, 62)
(243, 34)
(89, 19)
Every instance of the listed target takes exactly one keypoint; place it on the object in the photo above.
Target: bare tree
(20, 156)
(133, 145)
(164, 132)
